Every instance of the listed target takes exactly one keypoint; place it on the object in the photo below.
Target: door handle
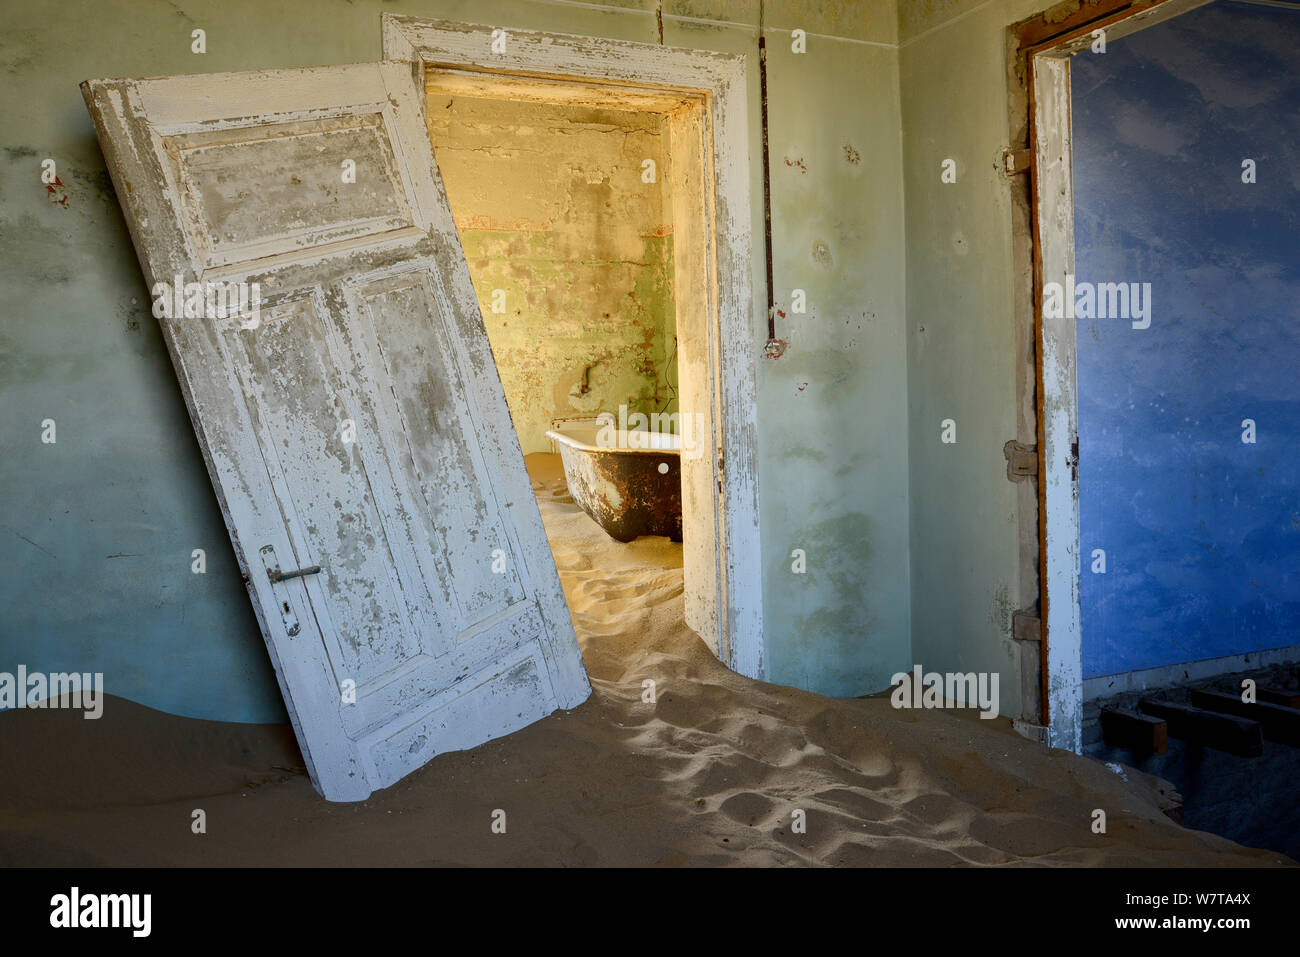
(275, 575)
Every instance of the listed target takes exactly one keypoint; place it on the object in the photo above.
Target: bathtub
(632, 488)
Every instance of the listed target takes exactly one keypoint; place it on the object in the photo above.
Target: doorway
(1042, 66)
(1188, 398)
(677, 225)
(565, 215)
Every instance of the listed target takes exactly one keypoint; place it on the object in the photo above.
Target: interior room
(565, 215)
(1188, 531)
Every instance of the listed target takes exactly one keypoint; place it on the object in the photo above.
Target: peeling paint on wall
(570, 250)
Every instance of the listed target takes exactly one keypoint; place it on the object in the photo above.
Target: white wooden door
(355, 422)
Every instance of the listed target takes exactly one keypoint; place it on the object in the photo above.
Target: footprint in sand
(749, 808)
(567, 561)
(857, 804)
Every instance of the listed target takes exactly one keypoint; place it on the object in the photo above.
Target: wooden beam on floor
(1223, 732)
(1280, 723)
(1282, 696)
(1143, 734)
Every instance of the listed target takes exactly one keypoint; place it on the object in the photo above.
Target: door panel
(230, 177)
(354, 426)
(288, 378)
(422, 376)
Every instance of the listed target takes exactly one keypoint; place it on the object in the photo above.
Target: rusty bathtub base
(627, 491)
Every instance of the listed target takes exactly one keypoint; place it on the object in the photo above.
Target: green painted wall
(98, 529)
(570, 251)
(962, 350)
(832, 414)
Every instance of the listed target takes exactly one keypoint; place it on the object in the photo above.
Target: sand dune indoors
(708, 775)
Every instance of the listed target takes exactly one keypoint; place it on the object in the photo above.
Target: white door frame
(662, 79)
(1058, 409)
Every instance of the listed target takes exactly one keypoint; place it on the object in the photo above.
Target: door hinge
(1022, 460)
(1015, 162)
(1026, 626)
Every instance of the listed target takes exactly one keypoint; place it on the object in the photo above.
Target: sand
(710, 774)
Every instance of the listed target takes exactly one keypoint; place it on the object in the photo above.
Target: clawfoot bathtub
(630, 486)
